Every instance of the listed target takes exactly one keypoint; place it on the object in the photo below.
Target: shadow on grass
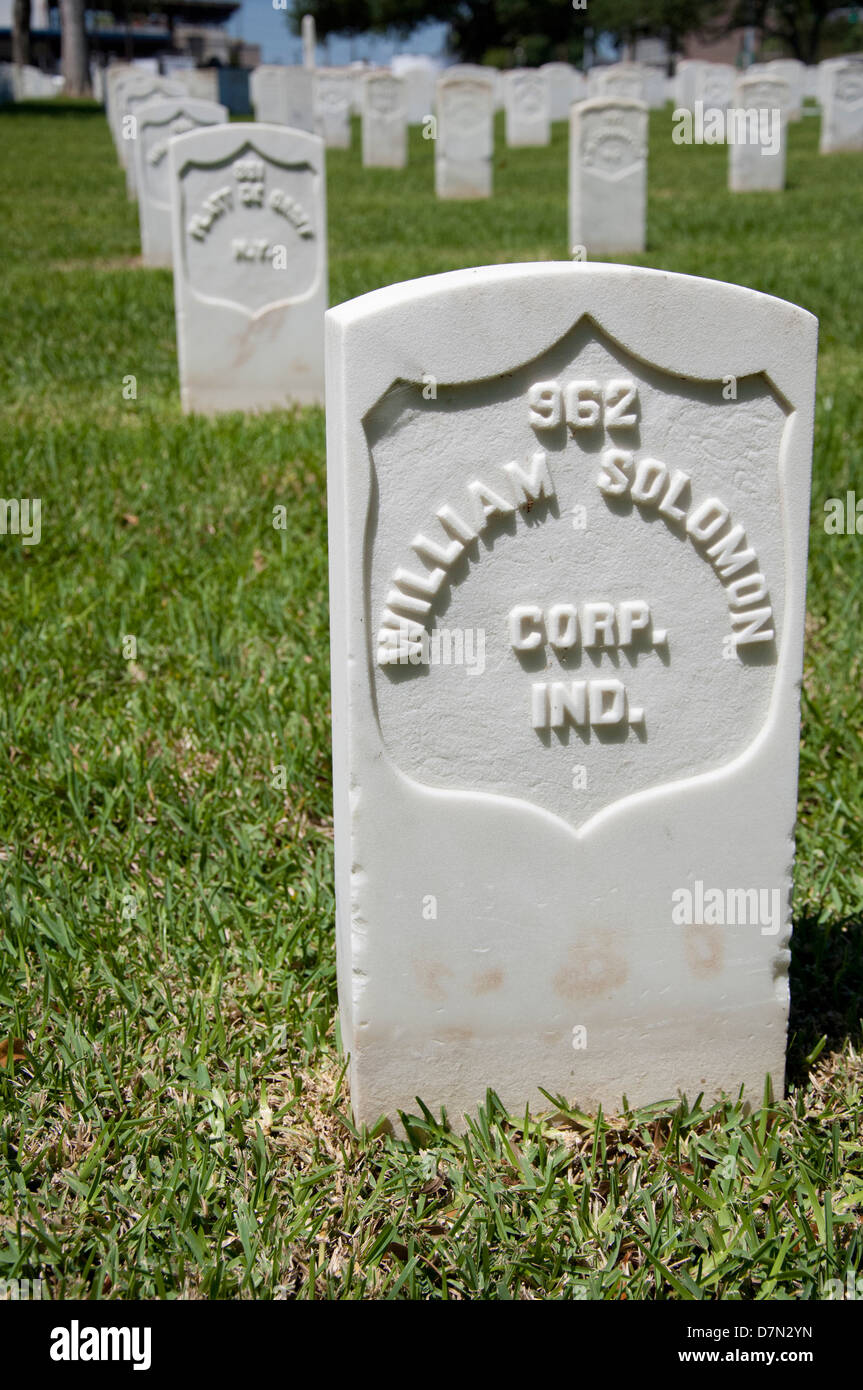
(826, 989)
(53, 106)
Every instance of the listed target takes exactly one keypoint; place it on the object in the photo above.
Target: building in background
(193, 29)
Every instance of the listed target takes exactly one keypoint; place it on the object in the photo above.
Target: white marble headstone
(133, 91)
(757, 163)
(113, 74)
(310, 40)
(792, 71)
(563, 87)
(333, 104)
(465, 134)
(655, 87)
(842, 116)
(686, 77)
(283, 96)
(250, 266)
(623, 81)
(713, 84)
(158, 123)
(608, 176)
(527, 107)
(201, 83)
(826, 67)
(384, 121)
(419, 77)
(565, 820)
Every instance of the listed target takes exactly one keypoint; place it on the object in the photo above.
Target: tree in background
(528, 32)
(797, 25)
(73, 48)
(671, 20)
(523, 31)
(21, 33)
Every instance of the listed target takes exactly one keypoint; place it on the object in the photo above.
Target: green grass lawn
(174, 1121)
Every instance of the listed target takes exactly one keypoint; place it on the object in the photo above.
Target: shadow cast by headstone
(826, 981)
(52, 107)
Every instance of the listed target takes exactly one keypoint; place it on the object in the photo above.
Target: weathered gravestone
(419, 75)
(757, 163)
(567, 598)
(792, 71)
(713, 84)
(608, 176)
(283, 96)
(654, 87)
(200, 83)
(685, 79)
(158, 123)
(465, 135)
(334, 95)
(842, 117)
(113, 74)
(527, 107)
(384, 121)
(250, 266)
(565, 85)
(623, 81)
(133, 91)
(826, 67)
(310, 40)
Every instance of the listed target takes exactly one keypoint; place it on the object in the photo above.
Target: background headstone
(655, 87)
(465, 134)
(752, 166)
(623, 81)
(563, 88)
(201, 83)
(794, 73)
(133, 91)
(158, 123)
(713, 84)
(250, 266)
(419, 75)
(284, 96)
(825, 68)
(113, 75)
(608, 176)
(842, 116)
(516, 837)
(685, 78)
(309, 40)
(333, 102)
(384, 121)
(527, 107)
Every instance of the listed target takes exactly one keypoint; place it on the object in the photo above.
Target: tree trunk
(74, 48)
(21, 33)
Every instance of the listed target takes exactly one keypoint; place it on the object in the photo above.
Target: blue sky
(257, 22)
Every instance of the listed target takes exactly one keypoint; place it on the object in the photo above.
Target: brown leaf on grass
(129, 519)
(435, 1184)
(19, 1051)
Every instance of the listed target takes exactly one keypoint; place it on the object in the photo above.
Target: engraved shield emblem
(249, 228)
(525, 575)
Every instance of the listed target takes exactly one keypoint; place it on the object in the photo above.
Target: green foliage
(532, 33)
(174, 1121)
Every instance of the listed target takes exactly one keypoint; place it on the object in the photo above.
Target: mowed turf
(173, 1110)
